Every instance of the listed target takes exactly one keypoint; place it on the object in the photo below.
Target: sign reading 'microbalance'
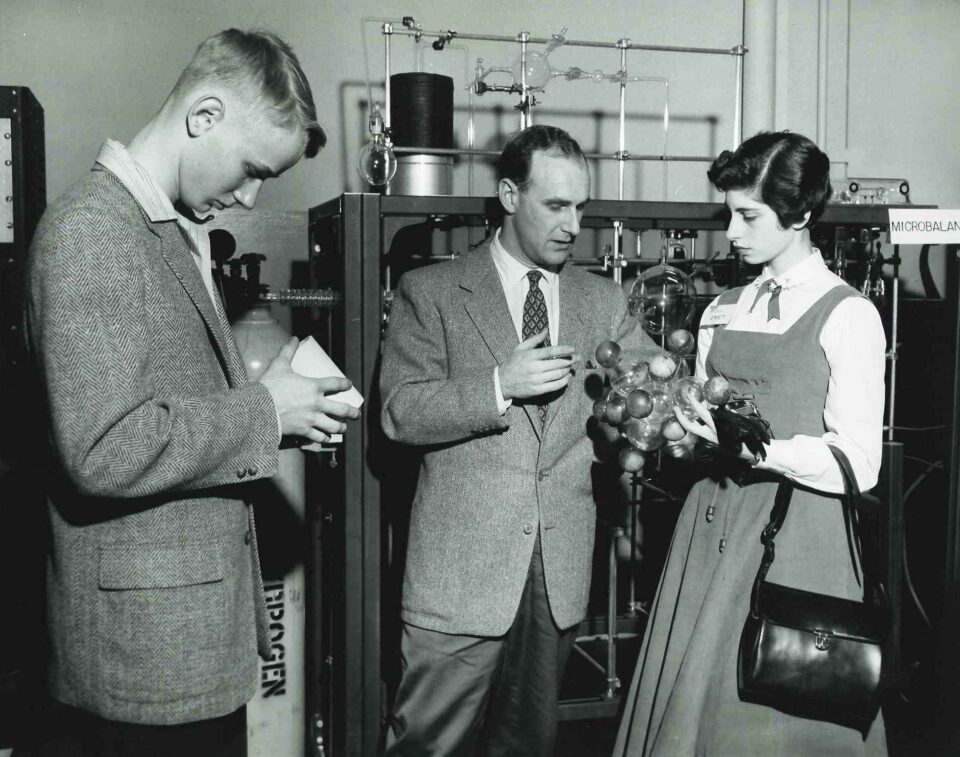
(924, 226)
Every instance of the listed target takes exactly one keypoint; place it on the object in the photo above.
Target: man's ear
(802, 222)
(205, 113)
(508, 193)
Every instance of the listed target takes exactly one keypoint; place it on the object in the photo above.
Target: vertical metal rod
(634, 510)
(666, 135)
(893, 340)
(524, 94)
(623, 112)
(623, 44)
(387, 31)
(612, 617)
(739, 50)
(617, 254)
(471, 136)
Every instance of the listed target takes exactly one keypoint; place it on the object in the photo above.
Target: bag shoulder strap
(778, 514)
(851, 503)
(858, 534)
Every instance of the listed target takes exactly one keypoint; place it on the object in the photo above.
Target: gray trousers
(491, 696)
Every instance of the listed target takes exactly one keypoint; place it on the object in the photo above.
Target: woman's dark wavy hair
(786, 171)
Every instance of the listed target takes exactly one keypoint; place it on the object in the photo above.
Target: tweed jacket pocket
(138, 567)
(162, 614)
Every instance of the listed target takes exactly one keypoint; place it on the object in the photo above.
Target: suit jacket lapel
(486, 304)
(178, 257)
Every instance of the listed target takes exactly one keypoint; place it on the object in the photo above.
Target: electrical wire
(931, 466)
(937, 464)
(906, 564)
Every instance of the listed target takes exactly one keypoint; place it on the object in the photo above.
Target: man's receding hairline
(552, 152)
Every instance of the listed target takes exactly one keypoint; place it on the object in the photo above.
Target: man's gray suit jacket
(154, 594)
(489, 483)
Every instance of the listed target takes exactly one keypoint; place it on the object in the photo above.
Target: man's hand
(531, 371)
(303, 409)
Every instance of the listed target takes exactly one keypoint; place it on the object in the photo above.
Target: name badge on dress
(717, 315)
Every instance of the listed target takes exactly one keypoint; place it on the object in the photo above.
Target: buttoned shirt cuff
(502, 404)
(822, 472)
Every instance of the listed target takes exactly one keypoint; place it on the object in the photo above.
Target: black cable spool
(421, 110)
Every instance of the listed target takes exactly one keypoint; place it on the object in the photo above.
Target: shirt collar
(145, 190)
(511, 270)
(800, 273)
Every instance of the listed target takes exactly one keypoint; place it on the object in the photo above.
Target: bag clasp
(821, 640)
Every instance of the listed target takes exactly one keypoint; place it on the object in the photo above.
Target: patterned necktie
(773, 305)
(535, 320)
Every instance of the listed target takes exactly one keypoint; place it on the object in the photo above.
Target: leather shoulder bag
(813, 655)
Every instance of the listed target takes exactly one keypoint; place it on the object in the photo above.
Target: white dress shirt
(854, 344)
(513, 279)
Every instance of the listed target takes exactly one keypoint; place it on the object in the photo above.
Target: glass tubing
(616, 260)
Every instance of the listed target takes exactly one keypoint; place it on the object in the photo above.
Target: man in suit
(485, 367)
(154, 596)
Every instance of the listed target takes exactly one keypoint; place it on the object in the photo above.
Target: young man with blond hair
(154, 596)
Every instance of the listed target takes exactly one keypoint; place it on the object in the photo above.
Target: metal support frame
(347, 701)
(407, 27)
(890, 489)
(344, 622)
(950, 621)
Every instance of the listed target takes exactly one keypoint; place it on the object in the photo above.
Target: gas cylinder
(275, 715)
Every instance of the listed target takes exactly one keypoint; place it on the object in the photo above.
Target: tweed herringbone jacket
(154, 596)
(488, 483)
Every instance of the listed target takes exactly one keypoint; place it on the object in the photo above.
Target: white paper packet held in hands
(311, 361)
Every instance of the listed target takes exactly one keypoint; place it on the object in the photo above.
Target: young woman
(810, 351)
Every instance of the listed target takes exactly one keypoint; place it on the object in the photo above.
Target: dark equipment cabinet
(359, 244)
(23, 198)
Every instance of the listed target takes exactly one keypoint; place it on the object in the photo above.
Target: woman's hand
(706, 429)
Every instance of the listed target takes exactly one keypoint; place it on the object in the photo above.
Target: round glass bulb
(662, 396)
(632, 374)
(663, 298)
(643, 434)
(538, 70)
(377, 163)
(684, 391)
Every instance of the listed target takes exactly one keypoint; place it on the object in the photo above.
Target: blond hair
(262, 63)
